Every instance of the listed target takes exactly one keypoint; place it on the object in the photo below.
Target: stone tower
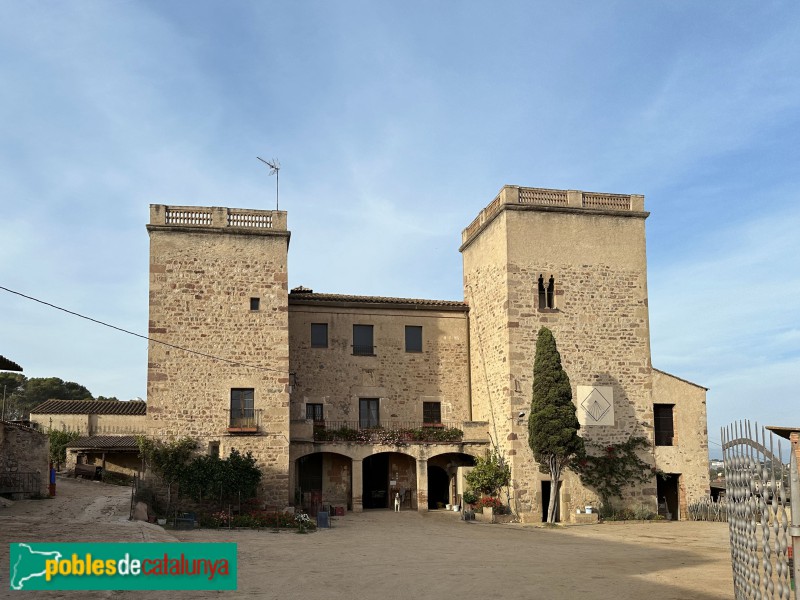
(573, 262)
(218, 287)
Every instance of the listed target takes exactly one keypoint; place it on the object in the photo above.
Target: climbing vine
(608, 469)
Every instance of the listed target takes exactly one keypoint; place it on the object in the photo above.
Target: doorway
(546, 491)
(438, 487)
(376, 481)
(668, 498)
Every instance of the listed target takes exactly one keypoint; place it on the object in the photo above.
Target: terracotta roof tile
(91, 407)
(298, 296)
(102, 442)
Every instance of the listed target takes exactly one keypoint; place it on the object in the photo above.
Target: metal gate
(758, 484)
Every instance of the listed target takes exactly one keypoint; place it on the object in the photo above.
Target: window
(213, 449)
(431, 413)
(314, 412)
(547, 293)
(319, 335)
(663, 424)
(362, 340)
(368, 412)
(255, 303)
(242, 403)
(413, 338)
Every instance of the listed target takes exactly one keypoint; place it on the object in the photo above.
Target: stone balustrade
(217, 217)
(561, 199)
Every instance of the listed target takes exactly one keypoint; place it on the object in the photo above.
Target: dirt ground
(386, 555)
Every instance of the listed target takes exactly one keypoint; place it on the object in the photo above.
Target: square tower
(219, 304)
(574, 262)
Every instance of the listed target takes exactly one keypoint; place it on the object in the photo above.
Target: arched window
(547, 293)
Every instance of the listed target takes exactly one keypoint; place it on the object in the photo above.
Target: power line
(144, 337)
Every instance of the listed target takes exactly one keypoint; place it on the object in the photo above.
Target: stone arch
(386, 474)
(322, 479)
(453, 465)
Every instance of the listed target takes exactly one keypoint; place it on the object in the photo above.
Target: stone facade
(472, 371)
(686, 457)
(24, 460)
(218, 286)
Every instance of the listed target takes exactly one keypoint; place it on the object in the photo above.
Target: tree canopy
(23, 394)
(552, 423)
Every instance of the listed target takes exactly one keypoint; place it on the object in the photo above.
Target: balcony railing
(391, 433)
(362, 350)
(244, 420)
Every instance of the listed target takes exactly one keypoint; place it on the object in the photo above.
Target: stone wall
(202, 279)
(25, 450)
(688, 456)
(402, 380)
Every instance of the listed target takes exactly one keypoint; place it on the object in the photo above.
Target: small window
(547, 293)
(213, 449)
(255, 303)
(431, 413)
(362, 340)
(413, 338)
(369, 413)
(663, 424)
(319, 335)
(314, 412)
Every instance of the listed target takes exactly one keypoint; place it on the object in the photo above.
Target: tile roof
(103, 442)
(300, 296)
(91, 407)
(8, 365)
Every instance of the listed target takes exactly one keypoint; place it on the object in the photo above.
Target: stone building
(352, 401)
(92, 417)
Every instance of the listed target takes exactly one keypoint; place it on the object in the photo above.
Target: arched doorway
(455, 466)
(386, 475)
(438, 487)
(323, 479)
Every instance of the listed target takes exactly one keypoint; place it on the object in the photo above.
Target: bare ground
(386, 555)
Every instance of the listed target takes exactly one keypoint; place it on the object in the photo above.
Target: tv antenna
(274, 169)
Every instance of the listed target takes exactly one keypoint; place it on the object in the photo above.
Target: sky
(394, 124)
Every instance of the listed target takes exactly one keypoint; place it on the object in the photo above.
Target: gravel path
(408, 555)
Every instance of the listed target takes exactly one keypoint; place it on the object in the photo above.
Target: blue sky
(395, 124)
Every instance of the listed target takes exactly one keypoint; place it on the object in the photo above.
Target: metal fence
(709, 509)
(20, 483)
(758, 479)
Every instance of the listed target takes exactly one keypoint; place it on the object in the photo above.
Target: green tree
(10, 385)
(489, 474)
(169, 460)
(36, 390)
(552, 423)
(58, 446)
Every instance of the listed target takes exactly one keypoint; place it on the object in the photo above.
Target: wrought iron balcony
(391, 433)
(244, 420)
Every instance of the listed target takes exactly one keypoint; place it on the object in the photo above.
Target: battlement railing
(217, 217)
(556, 198)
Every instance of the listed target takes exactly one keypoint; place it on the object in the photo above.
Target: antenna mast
(274, 169)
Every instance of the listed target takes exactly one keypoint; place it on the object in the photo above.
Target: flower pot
(161, 522)
(448, 506)
(588, 510)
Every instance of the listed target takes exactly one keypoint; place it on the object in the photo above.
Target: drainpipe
(794, 530)
(469, 372)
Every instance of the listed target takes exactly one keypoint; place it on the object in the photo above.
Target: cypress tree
(552, 423)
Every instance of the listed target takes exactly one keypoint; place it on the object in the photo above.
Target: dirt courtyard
(386, 555)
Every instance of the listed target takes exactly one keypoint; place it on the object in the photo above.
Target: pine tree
(552, 423)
